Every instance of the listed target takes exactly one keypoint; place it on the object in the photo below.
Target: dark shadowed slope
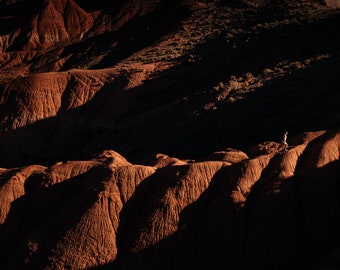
(217, 75)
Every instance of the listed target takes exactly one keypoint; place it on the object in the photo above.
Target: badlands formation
(146, 134)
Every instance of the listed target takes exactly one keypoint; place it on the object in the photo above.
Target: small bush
(267, 71)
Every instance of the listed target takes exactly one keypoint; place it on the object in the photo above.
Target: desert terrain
(146, 134)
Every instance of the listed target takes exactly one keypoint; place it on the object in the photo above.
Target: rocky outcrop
(59, 112)
(69, 212)
(63, 22)
(274, 210)
(55, 35)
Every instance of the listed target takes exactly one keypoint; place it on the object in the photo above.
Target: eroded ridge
(261, 209)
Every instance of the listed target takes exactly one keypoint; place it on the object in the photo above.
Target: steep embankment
(274, 210)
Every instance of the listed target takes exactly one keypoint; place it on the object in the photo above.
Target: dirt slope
(275, 210)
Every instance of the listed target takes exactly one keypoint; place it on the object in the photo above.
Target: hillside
(212, 75)
(273, 210)
(145, 134)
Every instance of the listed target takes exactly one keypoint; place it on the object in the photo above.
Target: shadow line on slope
(156, 118)
(180, 250)
(318, 201)
(211, 230)
(135, 35)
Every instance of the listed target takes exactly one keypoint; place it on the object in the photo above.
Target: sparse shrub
(233, 78)
(297, 65)
(249, 76)
(232, 99)
(229, 36)
(308, 61)
(278, 69)
(267, 71)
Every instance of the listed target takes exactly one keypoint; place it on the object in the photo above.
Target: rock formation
(145, 134)
(274, 210)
